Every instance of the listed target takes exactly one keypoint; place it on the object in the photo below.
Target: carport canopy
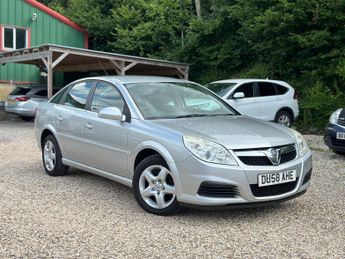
(68, 59)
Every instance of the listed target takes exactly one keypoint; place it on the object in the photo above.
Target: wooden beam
(103, 68)
(130, 66)
(23, 58)
(117, 65)
(59, 59)
(84, 67)
(117, 57)
(45, 62)
(183, 73)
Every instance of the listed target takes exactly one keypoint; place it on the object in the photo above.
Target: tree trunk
(198, 8)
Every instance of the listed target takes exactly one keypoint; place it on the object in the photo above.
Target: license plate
(11, 102)
(340, 135)
(276, 178)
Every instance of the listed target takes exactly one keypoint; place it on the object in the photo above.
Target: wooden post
(123, 71)
(50, 75)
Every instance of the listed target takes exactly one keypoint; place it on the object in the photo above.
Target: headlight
(208, 151)
(301, 143)
(334, 117)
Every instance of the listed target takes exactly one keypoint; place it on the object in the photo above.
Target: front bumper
(331, 137)
(194, 172)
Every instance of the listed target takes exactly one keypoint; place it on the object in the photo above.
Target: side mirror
(238, 95)
(112, 113)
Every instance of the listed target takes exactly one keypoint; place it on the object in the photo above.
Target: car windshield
(220, 88)
(160, 100)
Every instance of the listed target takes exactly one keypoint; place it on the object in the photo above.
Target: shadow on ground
(4, 116)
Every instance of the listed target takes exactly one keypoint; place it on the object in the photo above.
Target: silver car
(23, 100)
(173, 141)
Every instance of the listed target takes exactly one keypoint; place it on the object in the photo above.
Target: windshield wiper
(227, 114)
(190, 116)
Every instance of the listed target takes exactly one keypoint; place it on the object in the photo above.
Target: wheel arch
(148, 148)
(286, 109)
(47, 131)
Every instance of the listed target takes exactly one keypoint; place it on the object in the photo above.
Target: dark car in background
(23, 100)
(335, 132)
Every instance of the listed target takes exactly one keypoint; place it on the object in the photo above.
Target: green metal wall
(46, 29)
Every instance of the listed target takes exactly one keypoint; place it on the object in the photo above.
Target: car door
(247, 105)
(69, 121)
(106, 147)
(268, 100)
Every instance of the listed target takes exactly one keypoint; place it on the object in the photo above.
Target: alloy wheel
(49, 155)
(156, 187)
(284, 120)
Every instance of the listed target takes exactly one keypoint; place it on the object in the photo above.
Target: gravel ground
(82, 215)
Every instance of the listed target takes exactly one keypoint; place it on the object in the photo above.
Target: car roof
(138, 79)
(248, 80)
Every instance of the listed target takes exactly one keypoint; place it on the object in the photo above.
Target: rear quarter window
(42, 93)
(57, 98)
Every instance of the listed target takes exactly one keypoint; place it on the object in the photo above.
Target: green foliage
(149, 28)
(317, 104)
(301, 42)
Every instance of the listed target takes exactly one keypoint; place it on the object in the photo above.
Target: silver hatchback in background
(23, 100)
(173, 141)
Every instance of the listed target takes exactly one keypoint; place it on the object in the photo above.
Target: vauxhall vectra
(173, 141)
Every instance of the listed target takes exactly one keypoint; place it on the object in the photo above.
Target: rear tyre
(25, 118)
(339, 152)
(154, 187)
(51, 157)
(283, 118)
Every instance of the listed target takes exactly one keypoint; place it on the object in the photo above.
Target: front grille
(255, 160)
(338, 142)
(341, 122)
(219, 190)
(273, 189)
(287, 156)
(307, 177)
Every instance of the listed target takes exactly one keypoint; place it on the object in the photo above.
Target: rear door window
(266, 89)
(42, 93)
(106, 95)
(281, 89)
(20, 91)
(247, 89)
(78, 94)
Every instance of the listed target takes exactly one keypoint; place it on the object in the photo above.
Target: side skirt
(113, 177)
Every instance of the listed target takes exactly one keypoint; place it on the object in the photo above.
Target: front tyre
(51, 157)
(154, 187)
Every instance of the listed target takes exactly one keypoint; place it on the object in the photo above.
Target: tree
(198, 8)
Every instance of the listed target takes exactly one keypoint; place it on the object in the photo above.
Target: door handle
(59, 117)
(88, 125)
